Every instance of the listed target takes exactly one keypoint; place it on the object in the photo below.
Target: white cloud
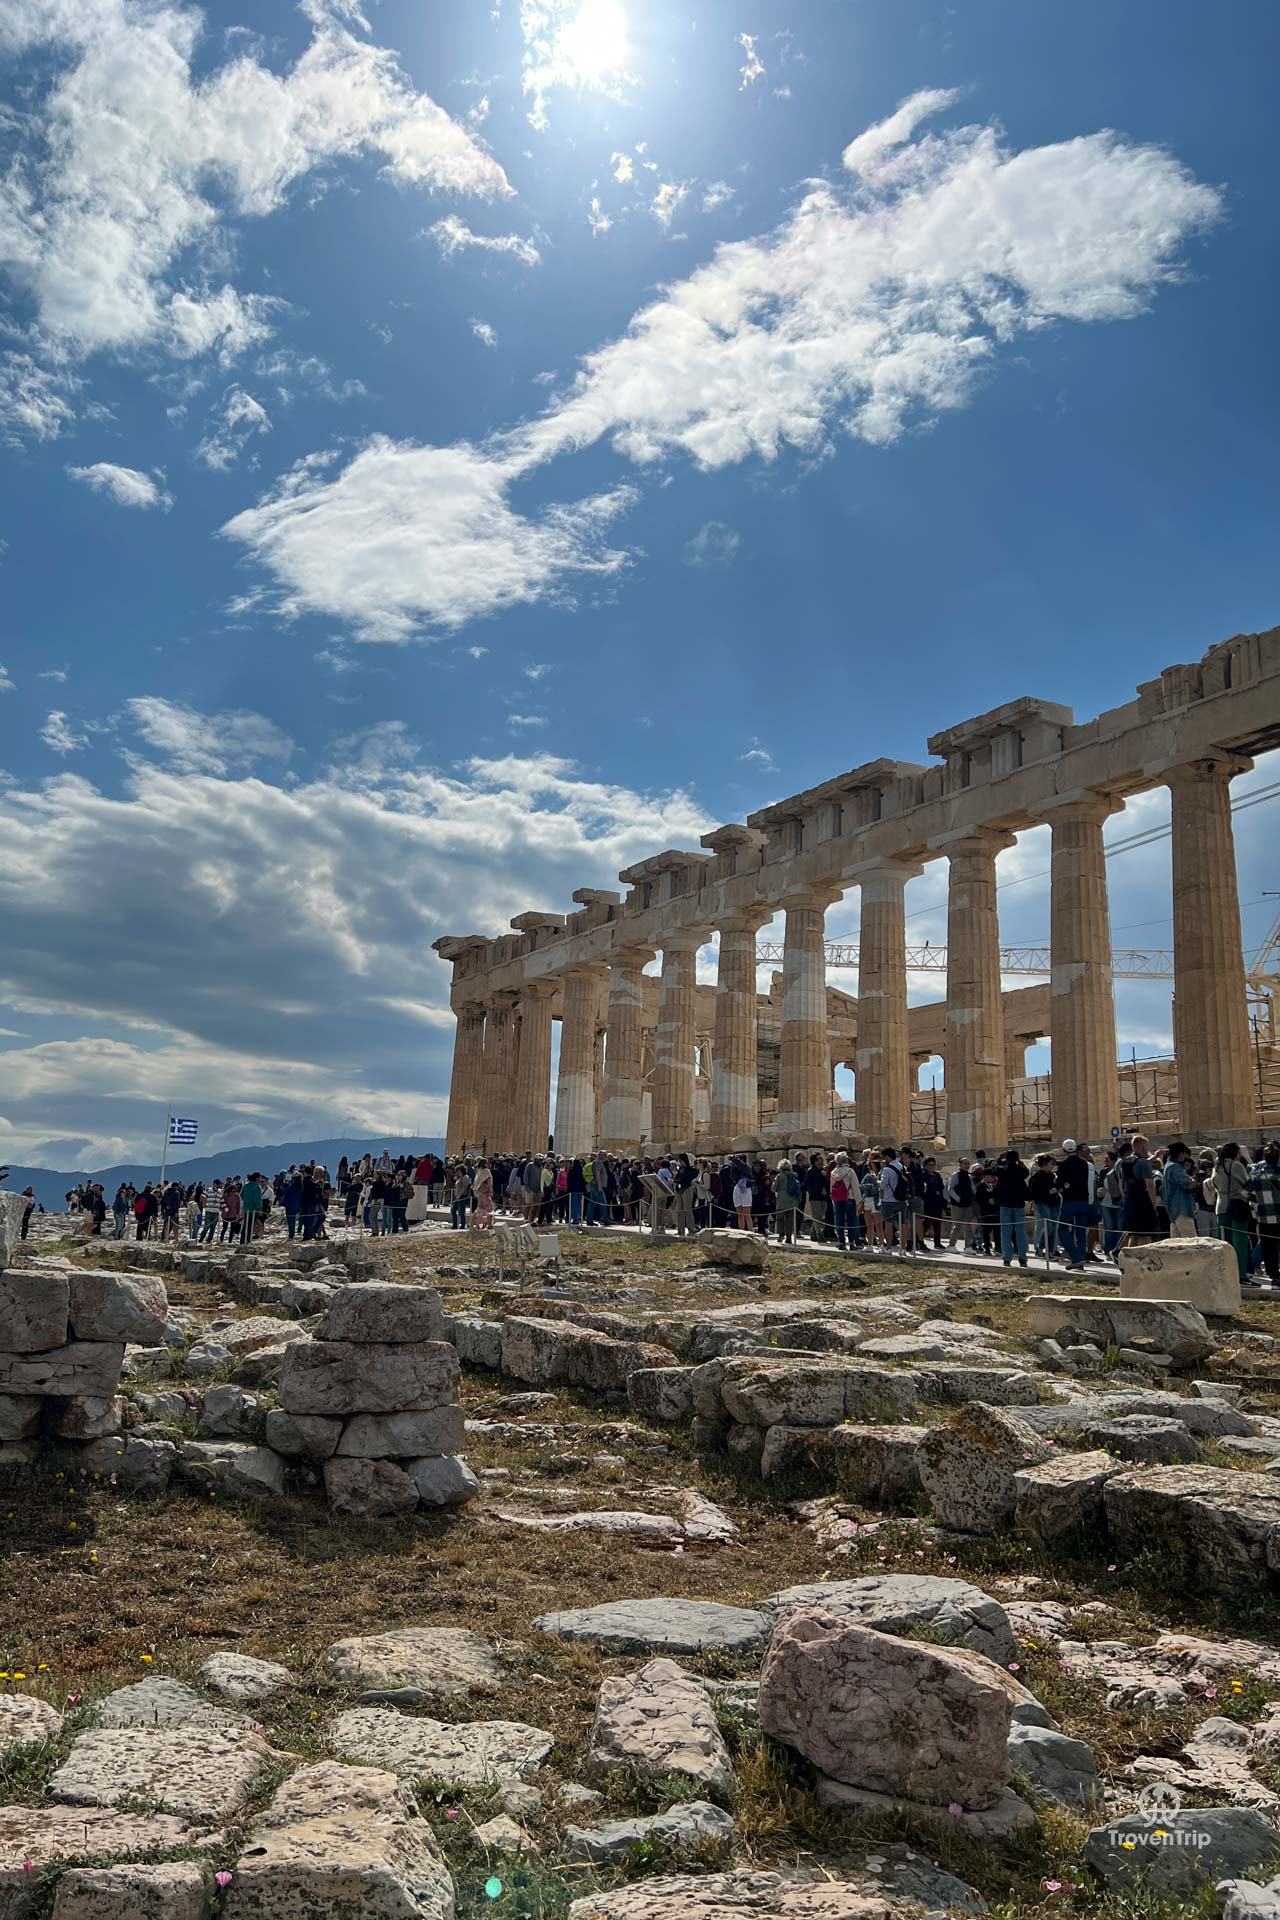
(454, 236)
(666, 201)
(536, 669)
(872, 305)
(34, 400)
(866, 155)
(194, 742)
(477, 653)
(752, 65)
(517, 720)
(761, 755)
(138, 152)
(484, 333)
(713, 545)
(6, 680)
(59, 735)
(718, 194)
(53, 673)
(597, 219)
(125, 485)
(407, 536)
(623, 171)
(238, 420)
(283, 950)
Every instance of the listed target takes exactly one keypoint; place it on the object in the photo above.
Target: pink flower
(74, 1699)
(1013, 1666)
(955, 1807)
(1112, 1567)
(1051, 1886)
(223, 1879)
(1211, 1693)
(451, 1813)
(1065, 1665)
(28, 1866)
(951, 1559)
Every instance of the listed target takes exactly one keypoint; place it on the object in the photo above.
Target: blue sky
(452, 452)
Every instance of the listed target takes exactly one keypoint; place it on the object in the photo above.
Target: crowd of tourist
(1075, 1208)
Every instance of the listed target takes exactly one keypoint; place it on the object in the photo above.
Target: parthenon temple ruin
(664, 1062)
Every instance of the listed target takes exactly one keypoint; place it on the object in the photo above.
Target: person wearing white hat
(1073, 1217)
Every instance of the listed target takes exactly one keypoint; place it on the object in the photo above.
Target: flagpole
(164, 1157)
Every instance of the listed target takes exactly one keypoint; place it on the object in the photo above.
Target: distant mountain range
(52, 1187)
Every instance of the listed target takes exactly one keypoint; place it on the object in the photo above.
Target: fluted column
(977, 1097)
(576, 1084)
(882, 1085)
(1082, 1022)
(804, 1065)
(674, 1065)
(532, 1103)
(623, 1051)
(463, 1127)
(497, 1075)
(1217, 1092)
(735, 1098)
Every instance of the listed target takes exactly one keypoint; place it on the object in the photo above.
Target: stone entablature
(1023, 763)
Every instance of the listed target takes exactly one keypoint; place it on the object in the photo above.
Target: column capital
(503, 999)
(1207, 768)
(815, 899)
(746, 920)
(1082, 804)
(883, 868)
(973, 843)
(684, 940)
(628, 956)
(585, 970)
(539, 989)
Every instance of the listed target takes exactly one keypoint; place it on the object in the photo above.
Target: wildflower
(28, 1866)
(1112, 1567)
(18, 1676)
(1211, 1693)
(1128, 1845)
(451, 1813)
(145, 1659)
(1237, 1686)
(955, 1807)
(1051, 1886)
(43, 1667)
(93, 1559)
(74, 1699)
(1013, 1666)
(71, 1526)
(223, 1879)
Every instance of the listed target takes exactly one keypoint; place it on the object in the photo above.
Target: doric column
(674, 1064)
(532, 1102)
(735, 1100)
(882, 1083)
(1082, 1020)
(620, 1127)
(804, 1064)
(497, 1077)
(977, 1100)
(576, 1085)
(1015, 1063)
(1217, 1093)
(463, 1129)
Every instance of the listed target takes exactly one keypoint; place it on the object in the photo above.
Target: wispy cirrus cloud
(125, 485)
(453, 236)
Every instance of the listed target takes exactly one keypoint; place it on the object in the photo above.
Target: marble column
(882, 1085)
(532, 1103)
(1015, 1063)
(1082, 1023)
(463, 1128)
(735, 1099)
(620, 1125)
(1218, 1094)
(575, 1130)
(498, 1074)
(674, 1065)
(977, 1095)
(804, 1064)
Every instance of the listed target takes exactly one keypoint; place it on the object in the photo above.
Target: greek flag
(182, 1133)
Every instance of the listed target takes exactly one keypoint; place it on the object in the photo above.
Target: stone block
(812, 1393)
(656, 1722)
(660, 1626)
(337, 1377)
(470, 1753)
(695, 1824)
(370, 1489)
(1224, 1522)
(378, 1313)
(175, 1890)
(929, 1723)
(558, 1352)
(32, 1838)
(429, 1660)
(1180, 1853)
(1202, 1273)
(84, 1419)
(229, 1413)
(82, 1370)
(443, 1482)
(234, 1467)
(731, 1247)
(12, 1207)
(132, 1308)
(404, 1436)
(302, 1436)
(142, 1466)
(878, 1466)
(478, 1342)
(661, 1393)
(967, 1468)
(33, 1310)
(340, 1839)
(1062, 1769)
(26, 1722)
(1061, 1494)
(1176, 1329)
(19, 1417)
(752, 1894)
(199, 1771)
(1144, 1437)
(239, 1677)
(963, 1615)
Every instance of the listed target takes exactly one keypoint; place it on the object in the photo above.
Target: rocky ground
(812, 1591)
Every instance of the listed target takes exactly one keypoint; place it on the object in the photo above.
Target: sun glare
(594, 42)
